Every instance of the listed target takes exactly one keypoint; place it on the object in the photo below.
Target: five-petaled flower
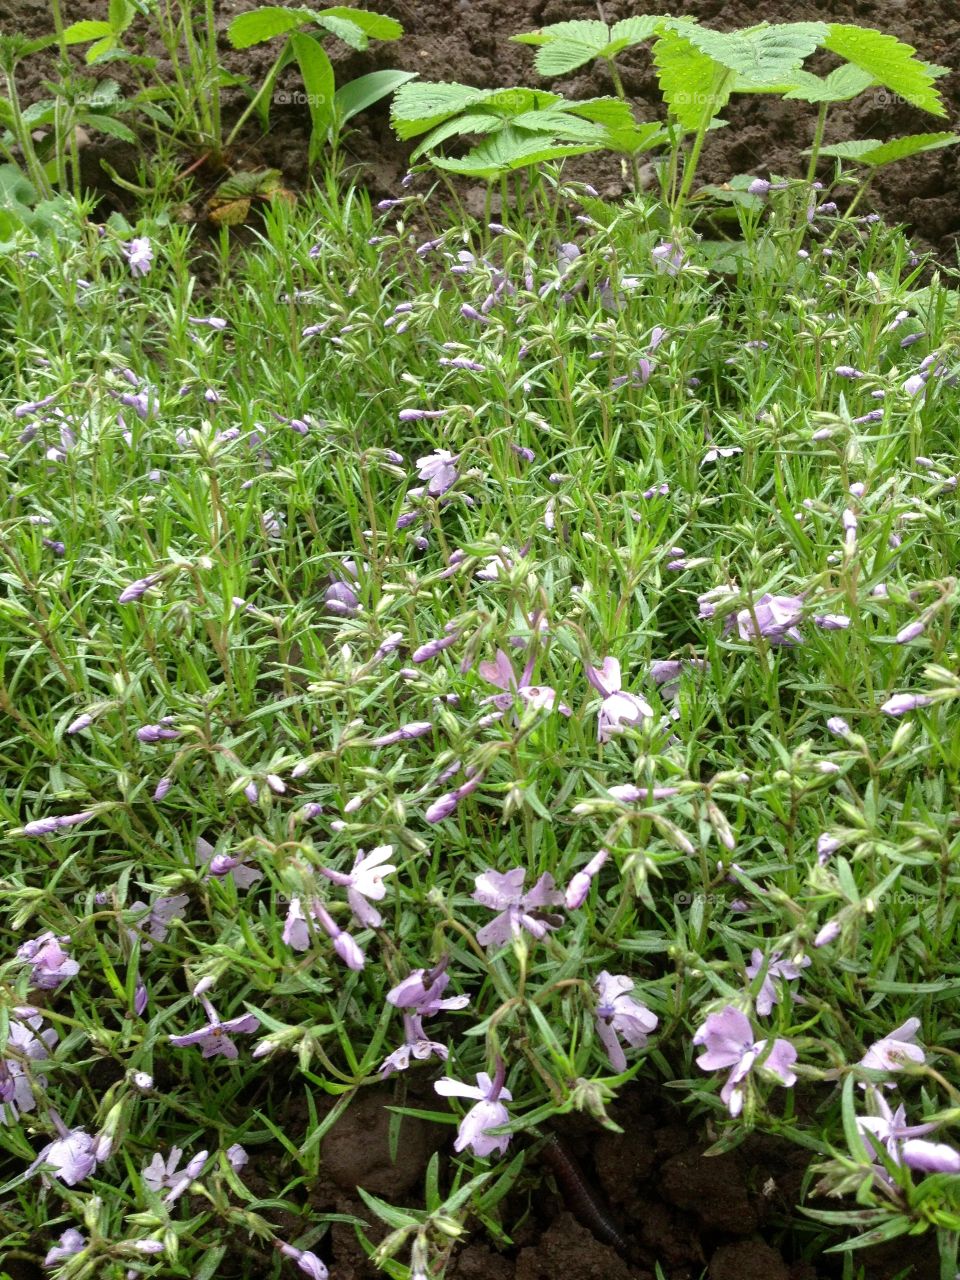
(896, 1050)
(619, 1014)
(769, 994)
(162, 1174)
(214, 1037)
(139, 253)
(50, 964)
(489, 1113)
(730, 1042)
(502, 675)
(24, 1047)
(619, 710)
(503, 892)
(365, 881)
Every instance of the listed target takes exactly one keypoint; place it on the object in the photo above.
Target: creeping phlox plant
(471, 667)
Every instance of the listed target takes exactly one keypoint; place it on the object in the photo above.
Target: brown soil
(467, 40)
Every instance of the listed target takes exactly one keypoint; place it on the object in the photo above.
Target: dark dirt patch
(467, 40)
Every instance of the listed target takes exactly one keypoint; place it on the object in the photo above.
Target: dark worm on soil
(583, 1202)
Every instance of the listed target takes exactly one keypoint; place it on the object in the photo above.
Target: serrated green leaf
(631, 31)
(762, 55)
(506, 151)
(558, 124)
(82, 32)
(359, 94)
(376, 26)
(421, 105)
(688, 78)
(109, 125)
(871, 152)
(472, 122)
(120, 13)
(351, 35)
(842, 84)
(261, 25)
(889, 61)
(564, 46)
(588, 31)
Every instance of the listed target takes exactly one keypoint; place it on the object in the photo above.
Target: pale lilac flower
(831, 621)
(713, 454)
(339, 597)
(447, 804)
(502, 675)
(406, 732)
(888, 1129)
(619, 710)
(237, 1157)
(415, 1044)
(160, 1174)
(23, 1047)
(162, 787)
(848, 371)
(774, 617)
(910, 632)
(50, 964)
(422, 992)
(156, 733)
(826, 846)
(82, 722)
(308, 1262)
(901, 703)
(930, 1157)
(139, 254)
(709, 600)
(137, 589)
(914, 384)
(769, 993)
(896, 1050)
(31, 407)
(576, 892)
(668, 257)
(828, 933)
(489, 1113)
(296, 932)
(503, 892)
(73, 1155)
(619, 1014)
(221, 865)
(71, 1243)
(365, 881)
(209, 322)
(275, 783)
(434, 647)
(417, 415)
(214, 1037)
(838, 726)
(729, 1042)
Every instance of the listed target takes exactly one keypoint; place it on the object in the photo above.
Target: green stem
(817, 141)
(35, 170)
(621, 94)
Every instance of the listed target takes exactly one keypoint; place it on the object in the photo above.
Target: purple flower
(221, 865)
(296, 932)
(72, 1156)
(619, 710)
(901, 703)
(729, 1042)
(156, 733)
(888, 1129)
(308, 1262)
(910, 632)
(214, 1037)
(434, 647)
(579, 886)
(139, 254)
(406, 732)
(618, 1014)
(415, 1044)
(489, 1113)
(136, 589)
(417, 415)
(769, 994)
(365, 881)
(774, 617)
(440, 469)
(503, 892)
(51, 966)
(82, 722)
(446, 804)
(422, 992)
(838, 726)
(209, 322)
(896, 1050)
(828, 933)
(340, 598)
(502, 675)
(668, 257)
(162, 1174)
(930, 1157)
(23, 1047)
(71, 1242)
(831, 621)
